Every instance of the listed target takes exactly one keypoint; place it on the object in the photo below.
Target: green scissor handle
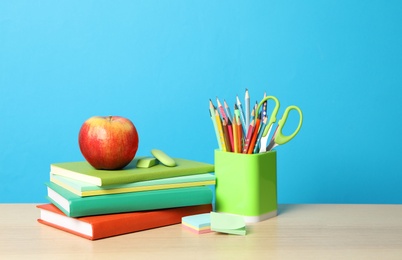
(281, 138)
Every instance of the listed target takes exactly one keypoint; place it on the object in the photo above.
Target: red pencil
(226, 136)
(230, 131)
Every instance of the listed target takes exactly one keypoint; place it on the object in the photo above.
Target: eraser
(146, 162)
(163, 158)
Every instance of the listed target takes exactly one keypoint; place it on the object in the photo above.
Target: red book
(102, 226)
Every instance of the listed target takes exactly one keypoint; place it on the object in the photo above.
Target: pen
(264, 106)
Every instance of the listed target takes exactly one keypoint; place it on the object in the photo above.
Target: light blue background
(159, 62)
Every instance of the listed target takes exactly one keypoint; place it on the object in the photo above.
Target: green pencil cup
(246, 185)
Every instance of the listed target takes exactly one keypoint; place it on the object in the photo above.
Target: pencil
(226, 135)
(227, 109)
(235, 136)
(212, 115)
(237, 115)
(254, 137)
(230, 132)
(220, 131)
(249, 136)
(247, 104)
(221, 110)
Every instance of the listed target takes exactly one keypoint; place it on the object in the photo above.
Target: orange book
(102, 226)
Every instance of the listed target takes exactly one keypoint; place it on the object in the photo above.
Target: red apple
(108, 143)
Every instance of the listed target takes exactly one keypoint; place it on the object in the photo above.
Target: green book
(75, 206)
(83, 171)
(85, 189)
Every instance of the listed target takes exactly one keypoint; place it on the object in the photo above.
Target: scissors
(278, 138)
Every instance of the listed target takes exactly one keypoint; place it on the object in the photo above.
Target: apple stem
(110, 118)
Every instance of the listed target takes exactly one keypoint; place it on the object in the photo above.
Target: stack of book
(97, 204)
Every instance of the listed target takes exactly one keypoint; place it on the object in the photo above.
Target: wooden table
(298, 232)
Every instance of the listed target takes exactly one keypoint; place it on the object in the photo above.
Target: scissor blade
(263, 144)
(264, 140)
(271, 145)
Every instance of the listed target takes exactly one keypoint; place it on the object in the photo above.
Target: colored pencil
(230, 131)
(249, 136)
(227, 109)
(212, 115)
(239, 135)
(220, 130)
(242, 119)
(226, 135)
(235, 135)
(254, 137)
(222, 111)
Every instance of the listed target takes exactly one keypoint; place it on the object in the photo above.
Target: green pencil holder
(246, 185)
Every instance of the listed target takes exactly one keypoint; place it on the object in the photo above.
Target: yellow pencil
(235, 136)
(220, 130)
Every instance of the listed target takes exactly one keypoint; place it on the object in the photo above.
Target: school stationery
(278, 138)
(227, 223)
(199, 223)
(255, 126)
(83, 171)
(103, 226)
(246, 185)
(75, 206)
(84, 189)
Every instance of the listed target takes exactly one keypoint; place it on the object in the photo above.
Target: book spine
(140, 201)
